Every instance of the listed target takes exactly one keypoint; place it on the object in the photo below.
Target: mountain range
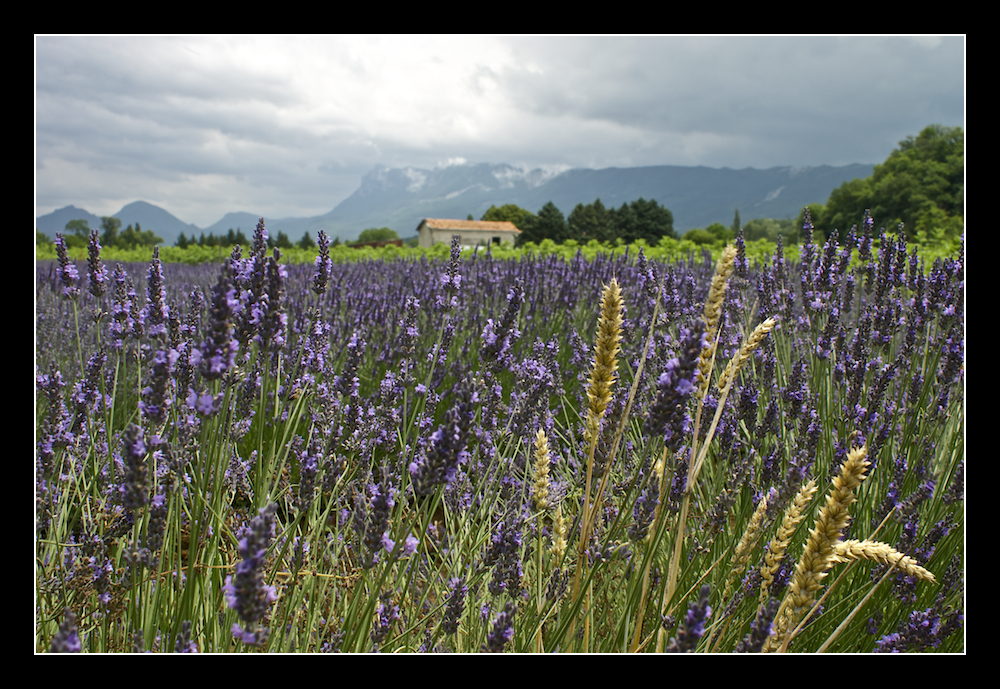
(400, 198)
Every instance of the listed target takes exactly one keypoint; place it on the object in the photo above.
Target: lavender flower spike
(157, 312)
(245, 591)
(219, 349)
(323, 264)
(67, 640)
(68, 274)
(693, 626)
(667, 415)
(503, 629)
(97, 271)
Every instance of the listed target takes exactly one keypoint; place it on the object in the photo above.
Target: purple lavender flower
(68, 274)
(86, 394)
(693, 626)
(323, 264)
(135, 493)
(157, 396)
(253, 286)
(218, 352)
(760, 629)
(446, 449)
(126, 318)
(644, 510)
(309, 460)
(245, 590)
(503, 554)
(56, 422)
(498, 337)
(376, 528)
(503, 629)
(67, 640)
(924, 629)
(274, 325)
(96, 270)
(457, 591)
(387, 613)
(451, 281)
(157, 313)
(184, 644)
(667, 416)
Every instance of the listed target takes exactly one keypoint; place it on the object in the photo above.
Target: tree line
(921, 185)
(640, 219)
(110, 234)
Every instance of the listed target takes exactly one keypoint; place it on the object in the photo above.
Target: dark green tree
(736, 223)
(508, 213)
(591, 221)
(643, 219)
(550, 223)
(182, 241)
(282, 241)
(720, 232)
(109, 230)
(80, 228)
(378, 234)
(306, 242)
(926, 172)
(700, 236)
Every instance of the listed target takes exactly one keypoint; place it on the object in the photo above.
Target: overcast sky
(287, 126)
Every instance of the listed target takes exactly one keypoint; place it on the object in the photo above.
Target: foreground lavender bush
(417, 456)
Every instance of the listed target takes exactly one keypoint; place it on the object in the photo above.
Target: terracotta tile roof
(445, 224)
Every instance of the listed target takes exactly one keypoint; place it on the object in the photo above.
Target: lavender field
(612, 454)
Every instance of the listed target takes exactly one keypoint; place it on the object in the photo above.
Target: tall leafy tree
(591, 221)
(109, 230)
(80, 228)
(509, 212)
(926, 172)
(378, 234)
(644, 219)
(550, 223)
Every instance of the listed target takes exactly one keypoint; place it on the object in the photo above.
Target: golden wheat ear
(609, 332)
(747, 349)
(540, 487)
(794, 514)
(818, 556)
(850, 550)
(713, 312)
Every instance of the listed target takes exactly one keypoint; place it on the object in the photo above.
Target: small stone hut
(433, 231)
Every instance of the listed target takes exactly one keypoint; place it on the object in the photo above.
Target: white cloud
(286, 126)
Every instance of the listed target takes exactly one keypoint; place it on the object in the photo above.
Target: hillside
(400, 198)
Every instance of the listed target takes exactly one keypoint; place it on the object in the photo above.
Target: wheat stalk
(850, 550)
(818, 556)
(609, 329)
(794, 514)
(746, 350)
(742, 552)
(713, 311)
(540, 487)
(602, 375)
